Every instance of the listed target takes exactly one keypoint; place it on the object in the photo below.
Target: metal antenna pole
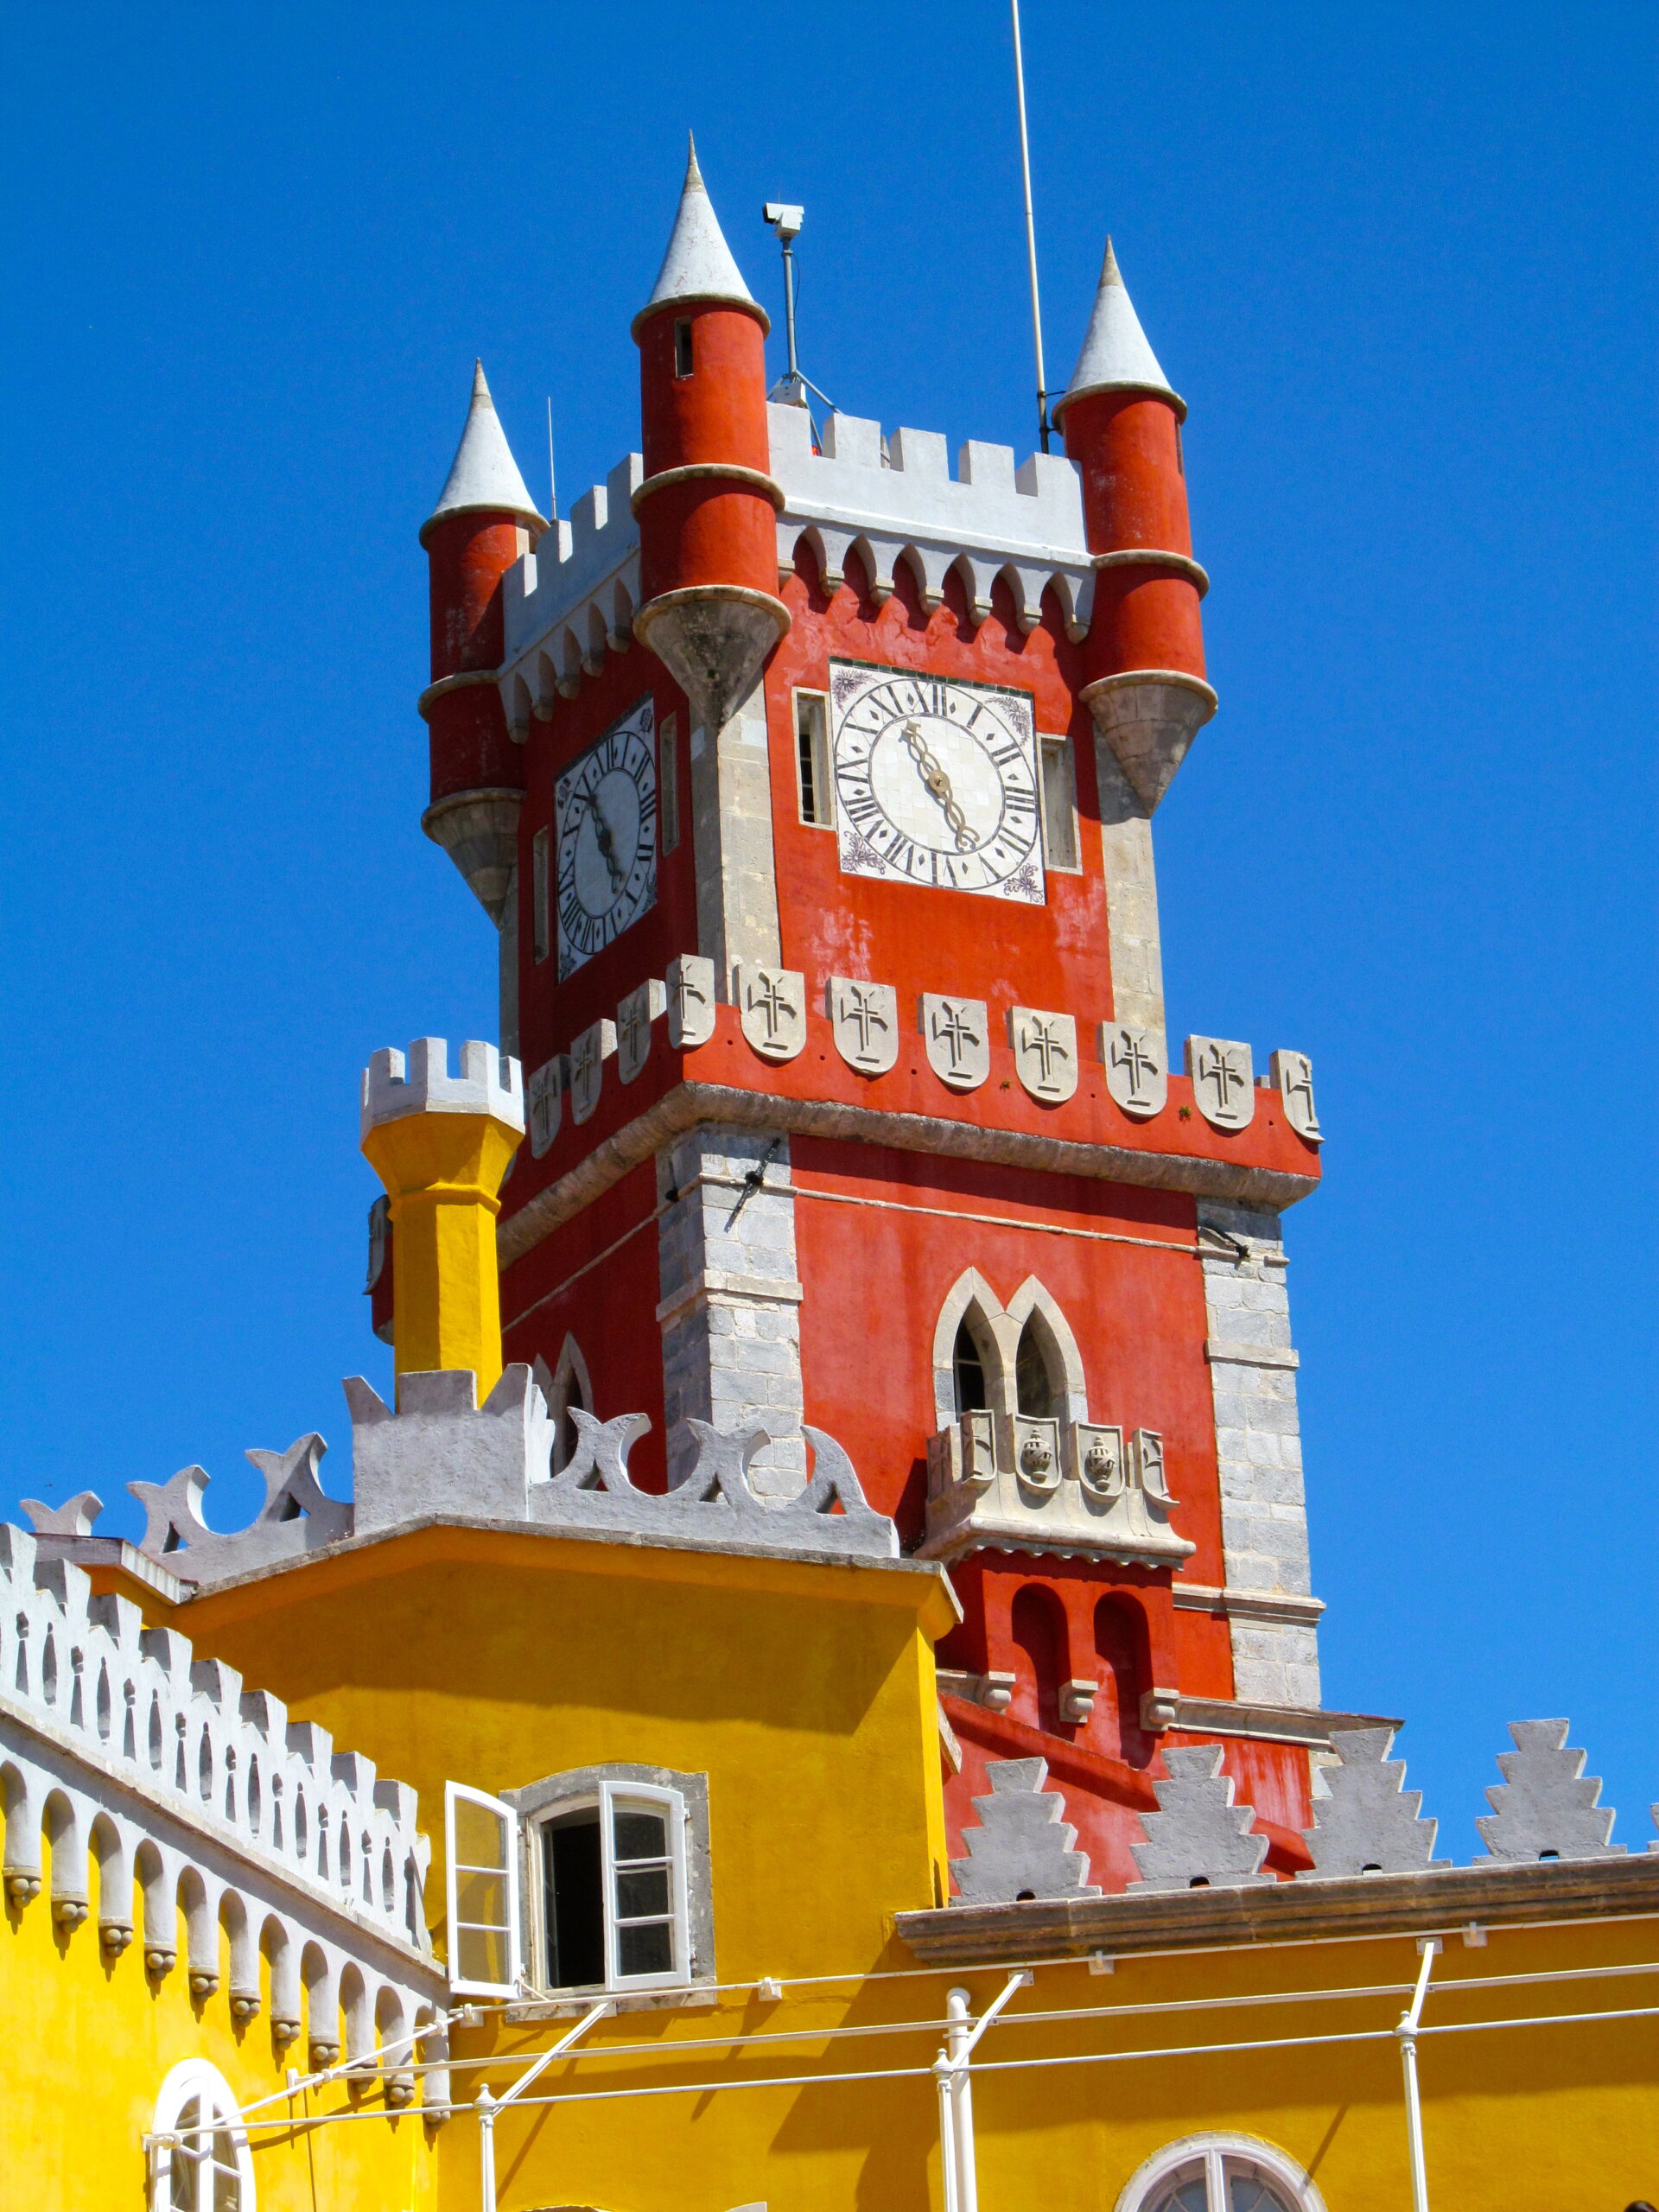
(1030, 230)
(788, 305)
(551, 488)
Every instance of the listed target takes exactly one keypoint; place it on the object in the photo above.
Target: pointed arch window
(1039, 1391)
(570, 1388)
(968, 1368)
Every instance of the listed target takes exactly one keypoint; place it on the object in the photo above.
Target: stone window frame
(996, 1329)
(571, 1367)
(1218, 2157)
(539, 1802)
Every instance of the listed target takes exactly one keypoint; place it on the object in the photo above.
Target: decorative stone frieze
(956, 1034)
(1365, 1820)
(1546, 1807)
(1023, 1846)
(1223, 1083)
(1198, 1837)
(588, 1054)
(772, 1008)
(296, 1518)
(1136, 1062)
(544, 1095)
(1045, 1054)
(634, 1018)
(864, 1021)
(691, 1000)
(1292, 1078)
(1011, 1482)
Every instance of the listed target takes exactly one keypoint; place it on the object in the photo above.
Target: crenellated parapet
(123, 1754)
(573, 599)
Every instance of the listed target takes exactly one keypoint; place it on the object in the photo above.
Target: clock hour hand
(606, 841)
(938, 784)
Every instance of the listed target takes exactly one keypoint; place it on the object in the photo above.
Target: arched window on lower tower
(1122, 1647)
(568, 1387)
(1037, 1628)
(1039, 1377)
(967, 1366)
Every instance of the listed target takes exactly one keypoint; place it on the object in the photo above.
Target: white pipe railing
(1410, 2022)
(489, 2108)
(950, 2071)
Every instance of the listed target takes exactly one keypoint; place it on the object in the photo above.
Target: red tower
(838, 976)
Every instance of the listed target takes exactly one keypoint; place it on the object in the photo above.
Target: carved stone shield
(1137, 1067)
(957, 1035)
(771, 1007)
(1223, 1081)
(634, 1020)
(864, 1019)
(587, 1057)
(1292, 1078)
(1044, 1052)
(544, 1096)
(690, 1001)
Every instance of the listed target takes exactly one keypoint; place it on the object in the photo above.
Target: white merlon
(490, 1082)
(1116, 355)
(573, 597)
(996, 520)
(483, 476)
(698, 264)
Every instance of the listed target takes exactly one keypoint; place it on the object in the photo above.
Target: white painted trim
(1215, 2153)
(457, 1793)
(195, 2077)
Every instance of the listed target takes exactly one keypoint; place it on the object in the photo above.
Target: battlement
(490, 1082)
(136, 1703)
(584, 579)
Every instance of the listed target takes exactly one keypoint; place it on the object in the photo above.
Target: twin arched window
(1039, 1386)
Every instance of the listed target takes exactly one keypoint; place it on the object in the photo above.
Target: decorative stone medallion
(544, 1098)
(634, 1020)
(587, 1057)
(1044, 1052)
(864, 1019)
(1292, 1078)
(1223, 1082)
(1137, 1067)
(1099, 1449)
(690, 1001)
(771, 1007)
(957, 1035)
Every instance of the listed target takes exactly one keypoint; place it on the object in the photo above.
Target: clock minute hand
(606, 841)
(938, 785)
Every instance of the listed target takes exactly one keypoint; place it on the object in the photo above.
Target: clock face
(607, 829)
(936, 782)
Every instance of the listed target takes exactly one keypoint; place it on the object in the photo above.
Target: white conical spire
(1115, 356)
(484, 473)
(698, 264)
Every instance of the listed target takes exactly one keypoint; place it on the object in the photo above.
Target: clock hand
(606, 840)
(938, 784)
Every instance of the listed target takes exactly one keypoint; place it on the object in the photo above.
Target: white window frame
(823, 775)
(1220, 2157)
(458, 1793)
(1049, 741)
(194, 2078)
(610, 1798)
(541, 895)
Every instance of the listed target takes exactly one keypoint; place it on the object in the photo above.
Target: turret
(484, 520)
(707, 507)
(1144, 655)
(441, 1144)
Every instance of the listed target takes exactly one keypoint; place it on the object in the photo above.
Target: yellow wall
(88, 2044)
(807, 1695)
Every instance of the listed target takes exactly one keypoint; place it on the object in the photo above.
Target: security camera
(787, 221)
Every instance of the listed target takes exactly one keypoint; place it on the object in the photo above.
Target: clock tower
(810, 781)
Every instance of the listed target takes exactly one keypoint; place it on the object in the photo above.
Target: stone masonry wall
(731, 1295)
(1258, 1445)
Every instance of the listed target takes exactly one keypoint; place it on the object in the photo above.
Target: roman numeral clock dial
(936, 782)
(606, 816)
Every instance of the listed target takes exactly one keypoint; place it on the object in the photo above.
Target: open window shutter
(481, 1854)
(647, 1922)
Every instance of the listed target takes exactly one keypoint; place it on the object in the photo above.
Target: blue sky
(1398, 262)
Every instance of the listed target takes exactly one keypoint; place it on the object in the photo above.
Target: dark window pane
(1032, 1381)
(969, 1371)
(573, 1893)
(641, 1835)
(640, 1896)
(645, 1950)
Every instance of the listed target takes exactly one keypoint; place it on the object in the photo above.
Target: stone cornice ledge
(1496, 1895)
(690, 1103)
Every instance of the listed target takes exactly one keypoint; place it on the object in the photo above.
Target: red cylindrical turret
(1122, 427)
(708, 505)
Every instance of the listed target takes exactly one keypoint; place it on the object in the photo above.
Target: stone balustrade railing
(1015, 1482)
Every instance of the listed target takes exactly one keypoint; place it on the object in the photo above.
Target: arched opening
(1037, 1629)
(967, 1370)
(1120, 1646)
(1039, 1386)
(571, 1389)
